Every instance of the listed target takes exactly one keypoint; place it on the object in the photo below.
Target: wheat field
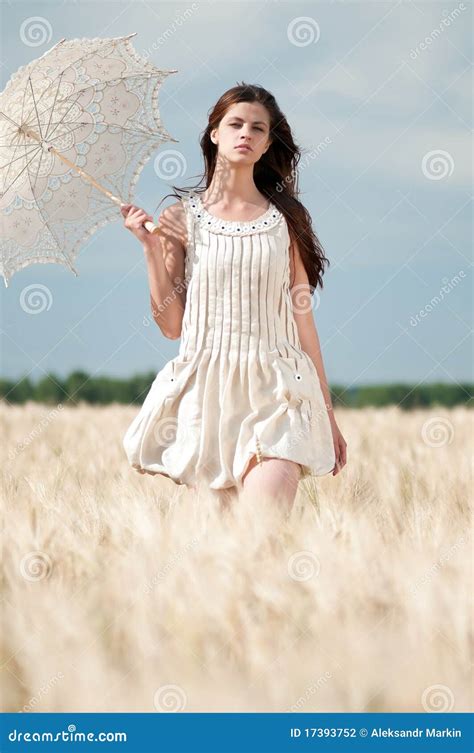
(124, 592)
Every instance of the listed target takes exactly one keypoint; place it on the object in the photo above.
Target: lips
(244, 148)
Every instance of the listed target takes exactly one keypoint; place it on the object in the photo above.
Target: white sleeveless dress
(240, 385)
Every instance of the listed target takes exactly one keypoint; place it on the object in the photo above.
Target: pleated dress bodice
(238, 294)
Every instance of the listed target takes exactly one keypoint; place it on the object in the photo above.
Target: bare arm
(165, 259)
(303, 314)
(308, 335)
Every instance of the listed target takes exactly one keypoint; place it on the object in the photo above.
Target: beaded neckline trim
(267, 220)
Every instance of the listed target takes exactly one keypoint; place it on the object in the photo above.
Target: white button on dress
(240, 385)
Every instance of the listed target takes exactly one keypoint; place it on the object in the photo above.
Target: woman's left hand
(340, 445)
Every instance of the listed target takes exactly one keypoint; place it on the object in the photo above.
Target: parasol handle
(150, 226)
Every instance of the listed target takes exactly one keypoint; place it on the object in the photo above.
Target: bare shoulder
(172, 222)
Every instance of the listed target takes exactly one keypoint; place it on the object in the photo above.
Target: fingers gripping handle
(148, 225)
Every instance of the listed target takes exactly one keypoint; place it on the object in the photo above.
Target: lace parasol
(77, 125)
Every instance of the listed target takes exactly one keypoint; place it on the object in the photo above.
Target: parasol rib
(36, 108)
(93, 86)
(68, 261)
(20, 173)
(64, 103)
(54, 103)
(65, 114)
(113, 43)
(20, 157)
(80, 59)
(150, 226)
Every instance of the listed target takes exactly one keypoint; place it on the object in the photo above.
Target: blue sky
(378, 96)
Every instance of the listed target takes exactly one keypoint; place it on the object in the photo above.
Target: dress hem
(306, 471)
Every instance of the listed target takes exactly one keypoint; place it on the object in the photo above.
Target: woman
(245, 404)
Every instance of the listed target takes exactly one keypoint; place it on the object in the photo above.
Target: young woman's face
(245, 123)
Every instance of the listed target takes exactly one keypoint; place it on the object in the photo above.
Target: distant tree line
(79, 386)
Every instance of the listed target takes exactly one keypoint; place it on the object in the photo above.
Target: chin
(243, 155)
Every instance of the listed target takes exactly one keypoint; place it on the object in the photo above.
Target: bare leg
(274, 478)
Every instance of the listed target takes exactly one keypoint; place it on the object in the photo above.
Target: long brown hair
(275, 174)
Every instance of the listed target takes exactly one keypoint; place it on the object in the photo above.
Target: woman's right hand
(134, 219)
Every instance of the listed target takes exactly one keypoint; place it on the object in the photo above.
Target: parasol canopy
(77, 125)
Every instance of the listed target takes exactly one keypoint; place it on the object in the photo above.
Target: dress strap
(189, 215)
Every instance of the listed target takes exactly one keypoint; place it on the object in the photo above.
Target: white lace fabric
(96, 102)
